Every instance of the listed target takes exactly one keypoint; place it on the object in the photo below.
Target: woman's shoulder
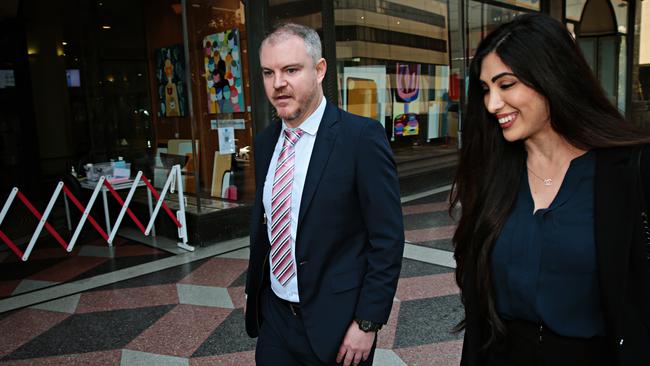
(622, 151)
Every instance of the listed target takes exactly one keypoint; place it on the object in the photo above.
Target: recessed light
(106, 27)
(64, 43)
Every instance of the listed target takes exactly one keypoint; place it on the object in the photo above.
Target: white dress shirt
(303, 149)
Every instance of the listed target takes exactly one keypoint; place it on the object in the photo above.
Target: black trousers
(282, 338)
(535, 345)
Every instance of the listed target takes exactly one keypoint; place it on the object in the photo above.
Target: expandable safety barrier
(174, 183)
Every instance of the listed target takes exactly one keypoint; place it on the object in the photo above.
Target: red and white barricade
(174, 183)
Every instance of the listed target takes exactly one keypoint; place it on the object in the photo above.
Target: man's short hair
(283, 31)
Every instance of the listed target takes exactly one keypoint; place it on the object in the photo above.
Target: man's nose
(279, 81)
(493, 102)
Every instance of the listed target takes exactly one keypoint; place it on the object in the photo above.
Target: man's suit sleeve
(379, 199)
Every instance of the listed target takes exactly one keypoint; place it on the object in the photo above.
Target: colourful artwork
(406, 125)
(223, 72)
(170, 73)
(408, 90)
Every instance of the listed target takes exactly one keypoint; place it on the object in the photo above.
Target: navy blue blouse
(544, 263)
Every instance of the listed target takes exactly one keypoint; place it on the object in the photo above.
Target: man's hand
(356, 346)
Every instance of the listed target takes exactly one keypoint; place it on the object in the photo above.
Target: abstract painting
(223, 72)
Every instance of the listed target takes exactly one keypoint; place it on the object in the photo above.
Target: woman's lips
(506, 120)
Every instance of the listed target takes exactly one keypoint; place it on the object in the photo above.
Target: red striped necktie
(282, 262)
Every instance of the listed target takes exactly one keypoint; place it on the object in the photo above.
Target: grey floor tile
(243, 253)
(204, 296)
(136, 358)
(67, 304)
(430, 255)
(386, 357)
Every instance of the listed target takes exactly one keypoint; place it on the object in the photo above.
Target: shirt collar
(310, 125)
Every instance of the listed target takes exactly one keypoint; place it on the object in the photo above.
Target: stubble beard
(300, 110)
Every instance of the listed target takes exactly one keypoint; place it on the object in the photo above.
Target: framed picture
(223, 72)
(170, 73)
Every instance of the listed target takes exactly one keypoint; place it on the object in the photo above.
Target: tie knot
(292, 136)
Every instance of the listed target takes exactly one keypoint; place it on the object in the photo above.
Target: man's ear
(321, 69)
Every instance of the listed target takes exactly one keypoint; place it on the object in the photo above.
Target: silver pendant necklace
(547, 181)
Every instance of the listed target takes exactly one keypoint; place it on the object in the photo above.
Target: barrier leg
(182, 231)
(67, 212)
(149, 201)
(108, 219)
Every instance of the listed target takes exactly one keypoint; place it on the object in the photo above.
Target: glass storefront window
(393, 66)
(573, 9)
(526, 4)
(483, 19)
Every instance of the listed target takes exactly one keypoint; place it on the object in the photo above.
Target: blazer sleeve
(378, 189)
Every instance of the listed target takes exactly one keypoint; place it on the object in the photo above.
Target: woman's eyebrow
(502, 75)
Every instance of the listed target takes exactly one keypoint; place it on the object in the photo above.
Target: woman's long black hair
(543, 55)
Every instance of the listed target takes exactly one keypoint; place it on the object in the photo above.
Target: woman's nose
(493, 102)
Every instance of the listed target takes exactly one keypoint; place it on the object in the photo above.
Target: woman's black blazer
(623, 268)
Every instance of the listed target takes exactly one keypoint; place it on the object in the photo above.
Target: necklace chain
(547, 181)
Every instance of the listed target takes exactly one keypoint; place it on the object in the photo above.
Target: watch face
(366, 325)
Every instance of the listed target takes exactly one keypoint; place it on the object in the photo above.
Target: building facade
(90, 81)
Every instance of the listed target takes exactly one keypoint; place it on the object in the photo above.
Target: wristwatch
(368, 326)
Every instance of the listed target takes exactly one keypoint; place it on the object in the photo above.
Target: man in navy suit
(327, 234)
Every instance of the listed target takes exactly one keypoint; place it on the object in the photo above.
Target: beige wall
(644, 52)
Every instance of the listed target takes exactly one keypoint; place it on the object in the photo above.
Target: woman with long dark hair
(551, 258)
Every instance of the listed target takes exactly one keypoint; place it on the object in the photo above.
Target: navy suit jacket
(350, 236)
(623, 270)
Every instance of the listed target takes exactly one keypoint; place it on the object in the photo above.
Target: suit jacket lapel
(265, 156)
(323, 145)
(614, 184)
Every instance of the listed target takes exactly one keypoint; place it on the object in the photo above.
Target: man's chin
(289, 117)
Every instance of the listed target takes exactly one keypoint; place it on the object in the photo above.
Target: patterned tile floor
(192, 314)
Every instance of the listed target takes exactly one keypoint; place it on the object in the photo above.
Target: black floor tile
(427, 220)
(229, 337)
(414, 268)
(21, 270)
(91, 332)
(240, 281)
(164, 277)
(426, 181)
(117, 263)
(426, 321)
